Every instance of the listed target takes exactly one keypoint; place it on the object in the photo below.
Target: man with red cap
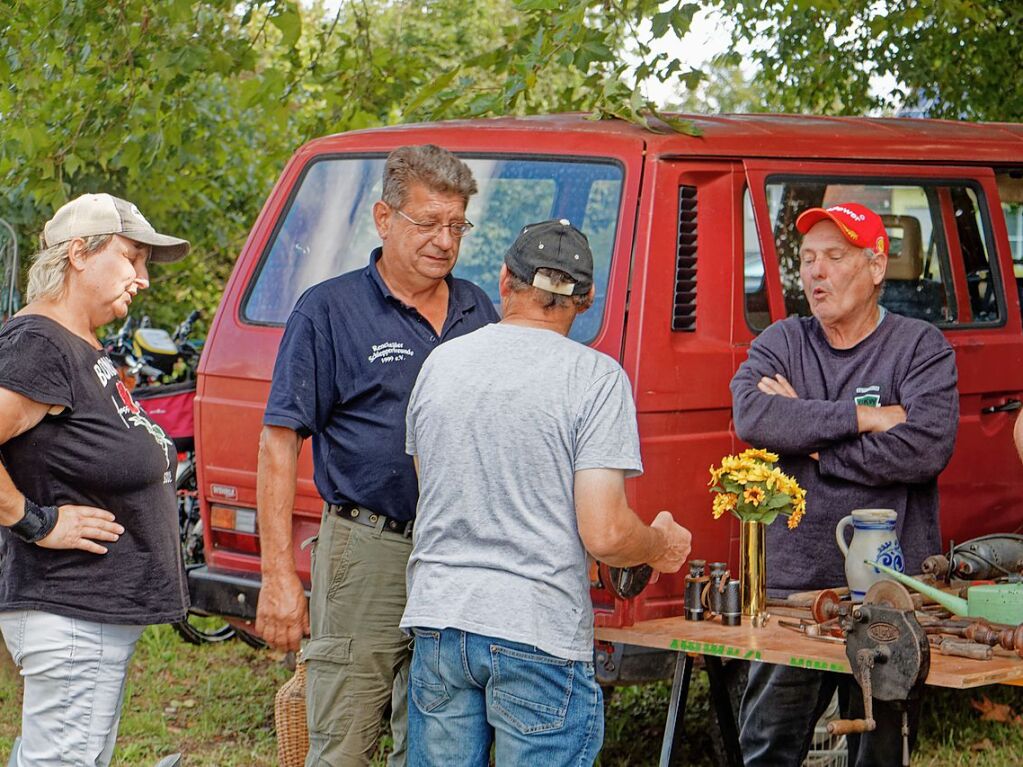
(861, 404)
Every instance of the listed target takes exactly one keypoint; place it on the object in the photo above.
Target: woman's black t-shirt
(102, 451)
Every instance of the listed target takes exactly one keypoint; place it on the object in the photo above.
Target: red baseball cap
(858, 224)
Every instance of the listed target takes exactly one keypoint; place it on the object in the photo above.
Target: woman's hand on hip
(80, 527)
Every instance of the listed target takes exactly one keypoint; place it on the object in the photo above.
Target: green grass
(214, 704)
(952, 733)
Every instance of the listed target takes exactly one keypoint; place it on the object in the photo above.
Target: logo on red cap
(858, 224)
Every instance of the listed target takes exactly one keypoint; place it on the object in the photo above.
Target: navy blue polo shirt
(345, 369)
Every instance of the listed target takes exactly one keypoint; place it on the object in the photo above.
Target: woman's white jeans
(74, 672)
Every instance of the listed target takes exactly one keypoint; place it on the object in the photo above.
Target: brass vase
(753, 572)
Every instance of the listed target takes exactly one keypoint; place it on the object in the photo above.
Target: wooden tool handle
(973, 650)
(850, 726)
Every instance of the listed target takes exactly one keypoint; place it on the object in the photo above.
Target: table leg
(676, 707)
(723, 708)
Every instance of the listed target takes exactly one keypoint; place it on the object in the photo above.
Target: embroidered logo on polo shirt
(390, 351)
(868, 396)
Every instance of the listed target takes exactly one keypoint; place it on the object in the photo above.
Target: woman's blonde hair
(48, 274)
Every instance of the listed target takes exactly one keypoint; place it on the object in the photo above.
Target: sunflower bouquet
(754, 490)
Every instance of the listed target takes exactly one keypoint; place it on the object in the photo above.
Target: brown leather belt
(365, 516)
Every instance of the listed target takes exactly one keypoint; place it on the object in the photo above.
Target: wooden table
(774, 644)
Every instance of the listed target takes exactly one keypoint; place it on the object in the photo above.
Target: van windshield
(327, 228)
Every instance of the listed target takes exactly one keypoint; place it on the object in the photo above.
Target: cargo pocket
(531, 690)
(326, 659)
(425, 681)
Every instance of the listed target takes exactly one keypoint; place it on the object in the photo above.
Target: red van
(696, 252)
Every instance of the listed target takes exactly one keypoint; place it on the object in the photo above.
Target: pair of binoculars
(712, 595)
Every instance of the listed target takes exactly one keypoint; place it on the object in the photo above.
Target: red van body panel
(680, 378)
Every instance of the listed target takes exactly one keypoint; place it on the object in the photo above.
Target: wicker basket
(289, 717)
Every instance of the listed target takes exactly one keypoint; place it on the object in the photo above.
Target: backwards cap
(554, 244)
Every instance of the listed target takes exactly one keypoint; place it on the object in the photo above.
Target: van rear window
(327, 228)
(940, 268)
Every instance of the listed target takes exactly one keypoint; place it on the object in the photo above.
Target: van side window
(327, 227)
(1010, 190)
(926, 222)
(758, 316)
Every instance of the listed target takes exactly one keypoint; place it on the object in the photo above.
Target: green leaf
(289, 22)
(678, 125)
(538, 5)
(660, 23)
(682, 19)
(71, 164)
(431, 90)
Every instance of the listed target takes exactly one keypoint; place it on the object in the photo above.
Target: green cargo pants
(357, 658)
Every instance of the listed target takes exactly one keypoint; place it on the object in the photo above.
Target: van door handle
(1006, 407)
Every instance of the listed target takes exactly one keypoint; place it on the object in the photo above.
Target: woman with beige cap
(88, 520)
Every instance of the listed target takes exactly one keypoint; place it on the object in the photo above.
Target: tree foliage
(191, 107)
(947, 58)
(166, 105)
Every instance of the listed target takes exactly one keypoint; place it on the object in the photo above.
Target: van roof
(741, 135)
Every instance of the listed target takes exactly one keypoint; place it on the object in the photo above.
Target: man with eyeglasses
(351, 352)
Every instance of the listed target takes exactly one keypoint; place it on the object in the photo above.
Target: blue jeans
(468, 692)
(74, 673)
(782, 704)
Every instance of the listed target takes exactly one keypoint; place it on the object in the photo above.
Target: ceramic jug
(874, 540)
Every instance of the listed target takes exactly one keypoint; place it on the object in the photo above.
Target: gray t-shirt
(501, 419)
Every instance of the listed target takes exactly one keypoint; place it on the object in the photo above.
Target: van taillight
(234, 529)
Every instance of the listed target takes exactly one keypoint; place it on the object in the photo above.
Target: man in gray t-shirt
(523, 439)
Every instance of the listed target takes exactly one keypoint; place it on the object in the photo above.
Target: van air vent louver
(684, 314)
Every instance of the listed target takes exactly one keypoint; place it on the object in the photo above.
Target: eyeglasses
(458, 229)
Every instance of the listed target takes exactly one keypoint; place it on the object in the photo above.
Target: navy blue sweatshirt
(903, 362)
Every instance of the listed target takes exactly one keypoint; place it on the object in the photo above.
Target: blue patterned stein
(873, 539)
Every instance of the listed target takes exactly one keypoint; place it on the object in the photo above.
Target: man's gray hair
(47, 277)
(430, 165)
(545, 298)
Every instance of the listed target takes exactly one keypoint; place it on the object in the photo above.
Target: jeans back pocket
(531, 690)
(426, 684)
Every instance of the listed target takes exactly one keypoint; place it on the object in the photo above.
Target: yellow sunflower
(754, 495)
(724, 502)
(759, 454)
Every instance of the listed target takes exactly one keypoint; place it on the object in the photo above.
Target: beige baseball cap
(94, 214)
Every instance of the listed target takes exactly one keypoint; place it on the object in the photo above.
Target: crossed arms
(908, 442)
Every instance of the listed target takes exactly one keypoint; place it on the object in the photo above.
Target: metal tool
(990, 556)
(623, 582)
(812, 630)
(829, 606)
(889, 654)
(1002, 603)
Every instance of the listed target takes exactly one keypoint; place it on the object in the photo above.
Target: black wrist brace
(37, 523)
